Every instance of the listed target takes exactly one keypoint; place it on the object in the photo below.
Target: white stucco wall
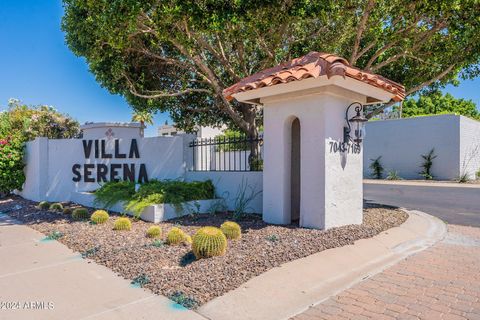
(401, 143)
(469, 147)
(50, 162)
(229, 184)
(331, 182)
(49, 168)
(120, 130)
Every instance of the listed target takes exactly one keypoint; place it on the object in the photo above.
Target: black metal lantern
(357, 123)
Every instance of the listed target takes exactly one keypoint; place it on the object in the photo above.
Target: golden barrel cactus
(99, 217)
(80, 214)
(154, 232)
(175, 236)
(231, 230)
(209, 242)
(56, 207)
(122, 224)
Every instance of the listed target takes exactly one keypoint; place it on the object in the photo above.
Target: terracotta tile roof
(313, 65)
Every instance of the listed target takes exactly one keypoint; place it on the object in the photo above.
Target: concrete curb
(440, 184)
(290, 289)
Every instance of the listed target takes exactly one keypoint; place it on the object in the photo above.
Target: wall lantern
(357, 123)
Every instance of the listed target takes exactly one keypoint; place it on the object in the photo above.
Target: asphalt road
(454, 205)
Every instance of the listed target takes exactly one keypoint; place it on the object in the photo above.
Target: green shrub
(427, 165)
(113, 192)
(245, 195)
(209, 242)
(80, 214)
(393, 175)
(56, 207)
(154, 232)
(138, 205)
(153, 192)
(99, 217)
(11, 164)
(478, 174)
(21, 123)
(122, 224)
(67, 210)
(231, 230)
(44, 205)
(376, 168)
(175, 236)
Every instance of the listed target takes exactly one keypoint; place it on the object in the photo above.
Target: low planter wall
(153, 213)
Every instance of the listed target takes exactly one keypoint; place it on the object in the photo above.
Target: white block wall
(401, 143)
(469, 146)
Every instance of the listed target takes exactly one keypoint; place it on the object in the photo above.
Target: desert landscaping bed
(172, 270)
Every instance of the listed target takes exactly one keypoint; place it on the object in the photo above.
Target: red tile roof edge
(313, 65)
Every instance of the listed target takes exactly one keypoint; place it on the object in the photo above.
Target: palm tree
(142, 117)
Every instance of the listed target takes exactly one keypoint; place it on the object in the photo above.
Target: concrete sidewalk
(293, 287)
(43, 279)
(439, 283)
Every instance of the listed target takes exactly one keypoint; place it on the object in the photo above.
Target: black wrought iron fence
(228, 153)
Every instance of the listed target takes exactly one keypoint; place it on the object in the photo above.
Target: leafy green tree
(437, 103)
(21, 123)
(178, 55)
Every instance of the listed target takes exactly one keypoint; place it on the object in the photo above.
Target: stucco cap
(314, 65)
(93, 125)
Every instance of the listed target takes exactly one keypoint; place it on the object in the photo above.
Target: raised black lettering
(142, 175)
(129, 172)
(87, 148)
(134, 150)
(96, 149)
(113, 171)
(105, 155)
(102, 171)
(76, 172)
(119, 155)
(87, 172)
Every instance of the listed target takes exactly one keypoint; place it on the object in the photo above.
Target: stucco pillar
(317, 89)
(276, 169)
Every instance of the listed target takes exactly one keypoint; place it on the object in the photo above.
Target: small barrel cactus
(188, 239)
(99, 217)
(56, 207)
(175, 236)
(209, 242)
(122, 224)
(231, 230)
(80, 214)
(44, 205)
(67, 210)
(154, 232)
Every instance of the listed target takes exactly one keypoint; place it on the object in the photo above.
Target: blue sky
(37, 67)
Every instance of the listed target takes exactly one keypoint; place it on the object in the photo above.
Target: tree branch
(159, 95)
(412, 90)
(431, 81)
(224, 106)
(418, 42)
(360, 29)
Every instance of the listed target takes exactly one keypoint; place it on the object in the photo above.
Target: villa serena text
(102, 172)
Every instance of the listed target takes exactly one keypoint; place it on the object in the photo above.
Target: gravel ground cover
(172, 270)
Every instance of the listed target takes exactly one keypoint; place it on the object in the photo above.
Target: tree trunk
(249, 114)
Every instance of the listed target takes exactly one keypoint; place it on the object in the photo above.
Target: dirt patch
(172, 270)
